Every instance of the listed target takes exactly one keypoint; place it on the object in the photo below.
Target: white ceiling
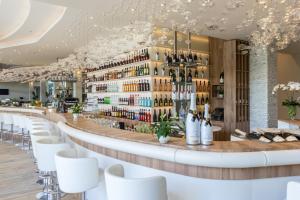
(57, 33)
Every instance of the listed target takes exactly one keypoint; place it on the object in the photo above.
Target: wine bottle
(155, 116)
(206, 128)
(193, 124)
(155, 70)
(155, 102)
(160, 102)
(189, 78)
(166, 101)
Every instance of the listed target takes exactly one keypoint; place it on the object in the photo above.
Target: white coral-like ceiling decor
(102, 32)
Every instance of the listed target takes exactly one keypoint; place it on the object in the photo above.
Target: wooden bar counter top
(224, 160)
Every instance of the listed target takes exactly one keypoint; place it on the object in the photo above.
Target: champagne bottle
(182, 113)
(193, 124)
(206, 128)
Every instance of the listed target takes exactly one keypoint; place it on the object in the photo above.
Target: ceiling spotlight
(132, 9)
(95, 25)
(91, 17)
(162, 4)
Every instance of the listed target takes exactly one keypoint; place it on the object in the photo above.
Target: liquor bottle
(155, 116)
(197, 100)
(173, 76)
(193, 124)
(196, 73)
(189, 78)
(165, 86)
(169, 114)
(206, 99)
(166, 57)
(157, 57)
(170, 101)
(160, 102)
(163, 71)
(206, 128)
(222, 78)
(190, 57)
(159, 114)
(202, 74)
(160, 86)
(202, 100)
(182, 76)
(155, 70)
(166, 101)
(156, 101)
(155, 85)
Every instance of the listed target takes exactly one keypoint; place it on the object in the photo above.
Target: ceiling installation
(90, 28)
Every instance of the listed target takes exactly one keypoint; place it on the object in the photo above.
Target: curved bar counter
(247, 170)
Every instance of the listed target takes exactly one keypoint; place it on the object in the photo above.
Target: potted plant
(76, 110)
(292, 102)
(165, 127)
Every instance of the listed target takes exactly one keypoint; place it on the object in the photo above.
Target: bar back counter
(239, 170)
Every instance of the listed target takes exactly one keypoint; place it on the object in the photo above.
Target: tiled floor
(17, 177)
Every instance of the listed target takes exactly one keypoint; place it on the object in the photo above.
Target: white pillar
(263, 77)
(43, 90)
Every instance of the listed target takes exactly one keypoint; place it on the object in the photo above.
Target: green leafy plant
(77, 108)
(165, 126)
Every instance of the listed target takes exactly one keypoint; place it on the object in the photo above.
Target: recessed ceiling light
(132, 9)
(95, 25)
(91, 17)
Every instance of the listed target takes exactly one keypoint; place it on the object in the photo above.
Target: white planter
(75, 116)
(164, 140)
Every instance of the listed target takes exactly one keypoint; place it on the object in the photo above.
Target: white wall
(288, 69)
(16, 90)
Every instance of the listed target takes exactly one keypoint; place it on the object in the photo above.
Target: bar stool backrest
(293, 191)
(118, 187)
(76, 173)
(37, 136)
(46, 150)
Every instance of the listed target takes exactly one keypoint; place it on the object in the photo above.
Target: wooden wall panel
(230, 93)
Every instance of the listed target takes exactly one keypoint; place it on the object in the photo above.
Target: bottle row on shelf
(136, 86)
(136, 56)
(159, 85)
(144, 70)
(134, 71)
(143, 55)
(181, 57)
(162, 102)
(157, 114)
(143, 115)
(132, 100)
(129, 86)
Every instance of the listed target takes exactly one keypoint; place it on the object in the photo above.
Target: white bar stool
(77, 173)
(8, 124)
(40, 135)
(120, 188)
(293, 191)
(45, 151)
